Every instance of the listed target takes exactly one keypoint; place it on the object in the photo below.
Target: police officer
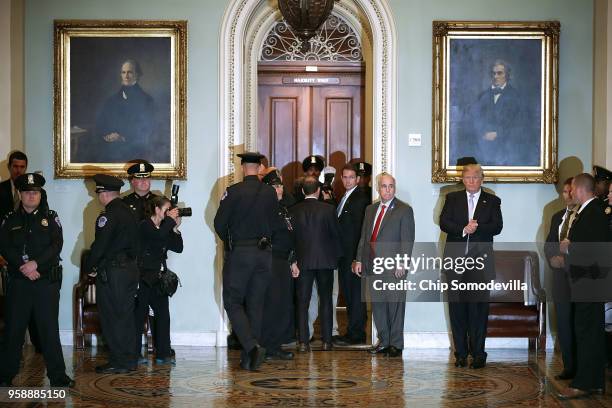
(139, 175)
(31, 241)
(247, 215)
(602, 177)
(279, 321)
(364, 171)
(312, 167)
(113, 261)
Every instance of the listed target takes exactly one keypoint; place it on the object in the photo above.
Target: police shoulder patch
(102, 221)
(57, 221)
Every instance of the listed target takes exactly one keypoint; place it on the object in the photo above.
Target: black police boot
(257, 356)
(62, 381)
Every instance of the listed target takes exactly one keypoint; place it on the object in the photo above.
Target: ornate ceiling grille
(335, 41)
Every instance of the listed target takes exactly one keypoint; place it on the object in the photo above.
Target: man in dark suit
(9, 196)
(387, 231)
(318, 249)
(499, 122)
(350, 213)
(470, 218)
(584, 247)
(560, 225)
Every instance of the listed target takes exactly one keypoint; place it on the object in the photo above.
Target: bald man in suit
(387, 230)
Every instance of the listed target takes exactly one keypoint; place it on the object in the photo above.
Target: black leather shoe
(340, 340)
(245, 361)
(354, 341)
(62, 381)
(598, 391)
(279, 355)
(394, 352)
(109, 369)
(479, 362)
(378, 349)
(461, 362)
(257, 355)
(327, 346)
(565, 375)
(303, 347)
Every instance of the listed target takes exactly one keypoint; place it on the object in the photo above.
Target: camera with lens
(183, 212)
(327, 180)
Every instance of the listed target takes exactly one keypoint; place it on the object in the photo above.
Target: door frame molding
(244, 27)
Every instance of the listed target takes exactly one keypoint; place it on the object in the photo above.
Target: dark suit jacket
(551, 248)
(317, 235)
(590, 227)
(350, 221)
(395, 234)
(6, 198)
(454, 218)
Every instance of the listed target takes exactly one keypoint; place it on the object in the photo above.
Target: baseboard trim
(423, 340)
(440, 340)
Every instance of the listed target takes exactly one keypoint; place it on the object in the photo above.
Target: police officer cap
(313, 160)
(140, 170)
(250, 157)
(29, 182)
(363, 169)
(464, 161)
(104, 182)
(601, 173)
(272, 177)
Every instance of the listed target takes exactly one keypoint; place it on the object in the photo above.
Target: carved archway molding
(243, 30)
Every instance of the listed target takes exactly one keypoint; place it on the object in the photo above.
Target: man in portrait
(498, 123)
(125, 126)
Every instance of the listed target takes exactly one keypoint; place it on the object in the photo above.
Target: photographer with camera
(158, 234)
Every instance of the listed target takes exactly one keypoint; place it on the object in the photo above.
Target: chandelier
(305, 17)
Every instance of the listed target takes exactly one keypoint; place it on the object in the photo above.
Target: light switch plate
(414, 139)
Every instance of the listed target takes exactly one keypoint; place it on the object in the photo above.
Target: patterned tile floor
(209, 377)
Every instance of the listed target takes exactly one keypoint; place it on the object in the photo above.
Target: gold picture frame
(120, 95)
(495, 98)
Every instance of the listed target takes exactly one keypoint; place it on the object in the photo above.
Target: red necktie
(381, 214)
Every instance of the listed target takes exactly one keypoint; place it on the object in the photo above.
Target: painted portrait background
(95, 76)
(518, 141)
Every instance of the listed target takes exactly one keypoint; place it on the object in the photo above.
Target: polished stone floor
(210, 377)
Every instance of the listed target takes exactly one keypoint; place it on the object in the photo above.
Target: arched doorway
(243, 31)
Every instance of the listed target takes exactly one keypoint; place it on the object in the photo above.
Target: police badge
(44, 222)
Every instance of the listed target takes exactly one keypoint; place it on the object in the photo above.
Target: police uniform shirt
(116, 234)
(35, 236)
(245, 214)
(138, 203)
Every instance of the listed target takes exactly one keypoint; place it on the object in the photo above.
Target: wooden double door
(303, 113)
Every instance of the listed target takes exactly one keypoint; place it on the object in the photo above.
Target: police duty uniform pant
(350, 284)
(278, 317)
(115, 300)
(152, 296)
(246, 276)
(25, 300)
(325, 284)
